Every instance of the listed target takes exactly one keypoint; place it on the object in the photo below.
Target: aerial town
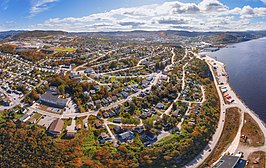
(117, 94)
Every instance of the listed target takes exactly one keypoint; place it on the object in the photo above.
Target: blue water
(246, 66)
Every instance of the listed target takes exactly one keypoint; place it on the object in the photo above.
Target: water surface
(246, 66)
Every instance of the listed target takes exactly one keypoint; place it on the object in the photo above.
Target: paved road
(119, 70)
(179, 126)
(183, 76)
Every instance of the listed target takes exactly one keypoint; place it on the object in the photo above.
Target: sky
(128, 15)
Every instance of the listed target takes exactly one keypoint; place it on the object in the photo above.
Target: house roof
(127, 135)
(53, 96)
(56, 126)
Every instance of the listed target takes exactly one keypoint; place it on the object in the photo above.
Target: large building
(52, 98)
(56, 127)
(228, 161)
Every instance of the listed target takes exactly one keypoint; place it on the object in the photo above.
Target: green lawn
(65, 49)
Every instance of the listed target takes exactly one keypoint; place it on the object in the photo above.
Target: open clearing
(256, 160)
(254, 134)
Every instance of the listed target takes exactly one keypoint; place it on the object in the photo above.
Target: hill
(37, 34)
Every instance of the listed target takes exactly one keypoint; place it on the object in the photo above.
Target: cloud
(171, 20)
(264, 1)
(212, 6)
(208, 15)
(4, 4)
(132, 23)
(7, 25)
(39, 6)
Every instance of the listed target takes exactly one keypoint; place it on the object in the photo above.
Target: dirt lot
(254, 134)
(256, 160)
(231, 126)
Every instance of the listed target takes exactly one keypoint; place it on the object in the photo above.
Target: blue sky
(127, 15)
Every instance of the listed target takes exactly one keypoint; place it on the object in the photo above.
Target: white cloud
(39, 6)
(7, 25)
(212, 6)
(264, 1)
(208, 15)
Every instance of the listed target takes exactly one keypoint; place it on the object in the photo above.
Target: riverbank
(223, 82)
(245, 65)
(237, 103)
(225, 79)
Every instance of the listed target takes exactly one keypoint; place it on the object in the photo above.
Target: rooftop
(227, 161)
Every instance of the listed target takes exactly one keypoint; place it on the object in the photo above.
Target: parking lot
(46, 121)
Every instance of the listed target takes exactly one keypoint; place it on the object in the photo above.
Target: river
(246, 66)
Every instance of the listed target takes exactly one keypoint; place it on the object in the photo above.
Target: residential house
(125, 136)
(118, 130)
(7, 102)
(104, 138)
(125, 95)
(160, 106)
(105, 115)
(138, 129)
(149, 136)
(98, 124)
(56, 127)
(89, 71)
(118, 120)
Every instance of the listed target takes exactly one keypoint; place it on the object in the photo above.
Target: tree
(132, 108)
(34, 95)
(174, 106)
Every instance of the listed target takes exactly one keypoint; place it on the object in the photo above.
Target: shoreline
(259, 113)
(239, 103)
(239, 98)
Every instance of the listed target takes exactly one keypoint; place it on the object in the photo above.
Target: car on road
(86, 125)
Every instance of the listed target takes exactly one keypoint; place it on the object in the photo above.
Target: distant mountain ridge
(38, 34)
(213, 37)
(6, 34)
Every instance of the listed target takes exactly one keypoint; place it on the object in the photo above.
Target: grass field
(65, 49)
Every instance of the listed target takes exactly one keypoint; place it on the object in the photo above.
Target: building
(104, 138)
(149, 136)
(56, 127)
(160, 106)
(89, 71)
(117, 120)
(25, 118)
(71, 132)
(98, 124)
(52, 98)
(7, 102)
(125, 136)
(228, 161)
(47, 51)
(118, 130)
